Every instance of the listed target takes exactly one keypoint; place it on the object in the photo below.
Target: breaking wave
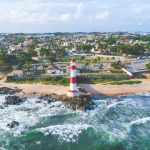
(67, 132)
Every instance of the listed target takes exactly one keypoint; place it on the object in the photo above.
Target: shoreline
(92, 89)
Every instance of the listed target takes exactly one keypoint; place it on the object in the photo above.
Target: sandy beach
(94, 89)
(112, 90)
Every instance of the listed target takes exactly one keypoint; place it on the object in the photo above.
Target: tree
(19, 40)
(31, 50)
(129, 49)
(82, 58)
(147, 66)
(51, 59)
(44, 51)
(1, 57)
(6, 61)
(117, 65)
(98, 58)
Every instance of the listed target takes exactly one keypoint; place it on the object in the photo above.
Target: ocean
(116, 123)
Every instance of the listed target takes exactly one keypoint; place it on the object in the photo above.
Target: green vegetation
(83, 60)
(148, 66)
(25, 58)
(84, 80)
(113, 81)
(19, 40)
(126, 82)
(5, 61)
(52, 80)
(117, 65)
(31, 51)
(84, 47)
(127, 49)
(64, 81)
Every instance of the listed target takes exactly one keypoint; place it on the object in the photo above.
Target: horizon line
(74, 32)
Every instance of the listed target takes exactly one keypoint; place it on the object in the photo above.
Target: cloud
(65, 17)
(140, 7)
(102, 16)
(40, 12)
(73, 15)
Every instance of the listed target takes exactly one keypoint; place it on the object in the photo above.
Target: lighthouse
(73, 92)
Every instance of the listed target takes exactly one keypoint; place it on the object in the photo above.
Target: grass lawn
(126, 82)
(64, 81)
(53, 81)
(116, 81)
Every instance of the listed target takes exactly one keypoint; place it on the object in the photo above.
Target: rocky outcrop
(8, 91)
(83, 102)
(13, 100)
(82, 90)
(13, 124)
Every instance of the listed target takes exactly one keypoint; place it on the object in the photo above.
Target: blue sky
(74, 15)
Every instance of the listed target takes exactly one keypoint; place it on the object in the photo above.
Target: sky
(30, 16)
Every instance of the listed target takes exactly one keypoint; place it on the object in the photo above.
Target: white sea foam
(145, 94)
(2, 98)
(28, 113)
(140, 121)
(130, 102)
(66, 132)
(113, 105)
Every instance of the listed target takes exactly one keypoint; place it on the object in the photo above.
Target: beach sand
(113, 90)
(93, 89)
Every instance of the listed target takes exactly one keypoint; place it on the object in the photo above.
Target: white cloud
(65, 17)
(73, 15)
(31, 11)
(39, 12)
(140, 7)
(102, 16)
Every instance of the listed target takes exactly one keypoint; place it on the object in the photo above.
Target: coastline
(92, 89)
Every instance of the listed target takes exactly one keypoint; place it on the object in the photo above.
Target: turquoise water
(116, 123)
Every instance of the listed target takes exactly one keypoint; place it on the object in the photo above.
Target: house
(96, 66)
(17, 73)
(53, 70)
(58, 68)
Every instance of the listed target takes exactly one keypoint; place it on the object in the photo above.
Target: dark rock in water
(46, 98)
(38, 101)
(13, 100)
(2, 106)
(82, 90)
(13, 124)
(83, 102)
(8, 91)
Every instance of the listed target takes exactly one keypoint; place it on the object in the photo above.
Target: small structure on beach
(73, 91)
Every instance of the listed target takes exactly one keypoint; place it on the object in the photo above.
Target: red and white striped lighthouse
(73, 91)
